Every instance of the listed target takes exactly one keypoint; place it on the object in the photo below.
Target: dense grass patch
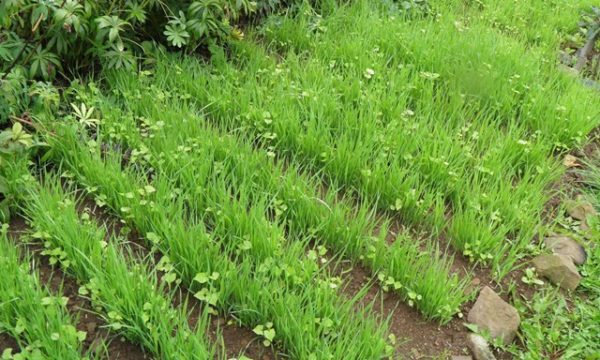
(309, 318)
(456, 134)
(420, 143)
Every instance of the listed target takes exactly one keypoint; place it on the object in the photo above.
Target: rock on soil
(564, 245)
(480, 348)
(559, 269)
(495, 315)
(580, 210)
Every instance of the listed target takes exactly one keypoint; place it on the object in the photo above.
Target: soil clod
(580, 210)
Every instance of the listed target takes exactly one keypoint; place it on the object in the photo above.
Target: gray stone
(564, 245)
(461, 357)
(580, 210)
(495, 315)
(559, 269)
(480, 348)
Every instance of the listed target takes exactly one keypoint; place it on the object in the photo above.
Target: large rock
(495, 315)
(564, 245)
(480, 348)
(559, 269)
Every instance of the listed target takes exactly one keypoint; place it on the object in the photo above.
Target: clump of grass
(308, 317)
(37, 319)
(544, 25)
(129, 297)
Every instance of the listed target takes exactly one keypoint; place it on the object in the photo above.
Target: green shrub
(42, 38)
(13, 95)
(65, 35)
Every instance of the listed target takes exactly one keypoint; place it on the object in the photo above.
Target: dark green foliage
(49, 36)
(40, 39)
(13, 95)
(18, 96)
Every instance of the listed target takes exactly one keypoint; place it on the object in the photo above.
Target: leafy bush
(42, 38)
(13, 95)
(18, 96)
(48, 36)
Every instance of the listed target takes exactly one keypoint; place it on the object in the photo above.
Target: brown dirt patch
(7, 342)
(416, 336)
(240, 340)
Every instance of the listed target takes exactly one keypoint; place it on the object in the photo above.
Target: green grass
(311, 320)
(541, 24)
(308, 142)
(37, 319)
(211, 169)
(461, 144)
(128, 296)
(591, 179)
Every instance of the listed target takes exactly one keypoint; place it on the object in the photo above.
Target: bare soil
(7, 342)
(417, 338)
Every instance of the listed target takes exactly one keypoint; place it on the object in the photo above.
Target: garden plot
(335, 184)
(463, 148)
